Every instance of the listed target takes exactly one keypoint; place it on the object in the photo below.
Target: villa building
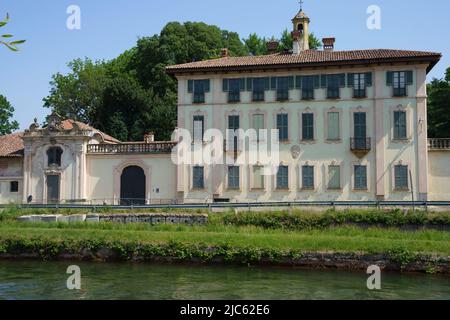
(351, 125)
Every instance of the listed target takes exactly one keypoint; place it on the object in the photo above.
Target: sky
(109, 27)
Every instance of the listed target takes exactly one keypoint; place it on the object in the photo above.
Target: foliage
(304, 220)
(11, 45)
(438, 107)
(6, 112)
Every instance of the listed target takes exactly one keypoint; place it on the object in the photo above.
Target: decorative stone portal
(133, 186)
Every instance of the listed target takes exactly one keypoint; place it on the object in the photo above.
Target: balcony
(360, 146)
(439, 144)
(132, 148)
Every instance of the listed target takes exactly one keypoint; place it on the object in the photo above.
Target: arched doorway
(132, 186)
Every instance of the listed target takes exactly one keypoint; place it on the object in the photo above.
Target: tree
(6, 113)
(439, 107)
(12, 45)
(255, 45)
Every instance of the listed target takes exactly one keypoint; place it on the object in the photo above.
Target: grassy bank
(299, 238)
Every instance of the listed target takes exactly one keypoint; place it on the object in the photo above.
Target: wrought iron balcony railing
(360, 144)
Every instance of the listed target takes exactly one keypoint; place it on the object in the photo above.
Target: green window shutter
(190, 86)
(291, 82)
(273, 83)
(342, 80)
(298, 82)
(409, 77)
(249, 84)
(323, 80)
(350, 79)
(242, 84)
(389, 78)
(316, 82)
(207, 85)
(225, 85)
(369, 79)
(267, 83)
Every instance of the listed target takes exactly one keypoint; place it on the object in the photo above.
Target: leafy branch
(12, 45)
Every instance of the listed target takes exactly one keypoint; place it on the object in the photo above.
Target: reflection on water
(40, 280)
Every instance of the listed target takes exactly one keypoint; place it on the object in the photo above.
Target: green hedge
(305, 220)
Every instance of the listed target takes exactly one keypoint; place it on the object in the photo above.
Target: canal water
(40, 280)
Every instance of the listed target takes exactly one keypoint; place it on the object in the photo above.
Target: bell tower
(300, 34)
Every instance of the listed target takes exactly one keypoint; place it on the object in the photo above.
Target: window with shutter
(258, 177)
(334, 179)
(233, 177)
(200, 87)
(401, 177)
(334, 82)
(258, 124)
(259, 87)
(198, 179)
(360, 182)
(359, 85)
(400, 125)
(199, 127)
(307, 126)
(234, 90)
(334, 133)
(283, 85)
(398, 80)
(283, 126)
(308, 177)
(283, 178)
(308, 88)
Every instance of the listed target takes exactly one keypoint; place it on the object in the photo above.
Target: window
(334, 132)
(283, 178)
(399, 80)
(258, 177)
(308, 177)
(401, 177)
(233, 177)
(282, 85)
(199, 127)
(54, 156)
(258, 124)
(307, 126)
(14, 186)
(334, 177)
(234, 92)
(283, 127)
(233, 127)
(308, 88)
(359, 85)
(360, 177)
(198, 88)
(258, 87)
(333, 83)
(198, 178)
(400, 132)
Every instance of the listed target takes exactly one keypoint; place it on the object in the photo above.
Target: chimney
(272, 47)
(328, 44)
(224, 52)
(149, 137)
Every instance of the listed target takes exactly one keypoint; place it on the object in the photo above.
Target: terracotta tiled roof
(307, 58)
(68, 125)
(11, 145)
